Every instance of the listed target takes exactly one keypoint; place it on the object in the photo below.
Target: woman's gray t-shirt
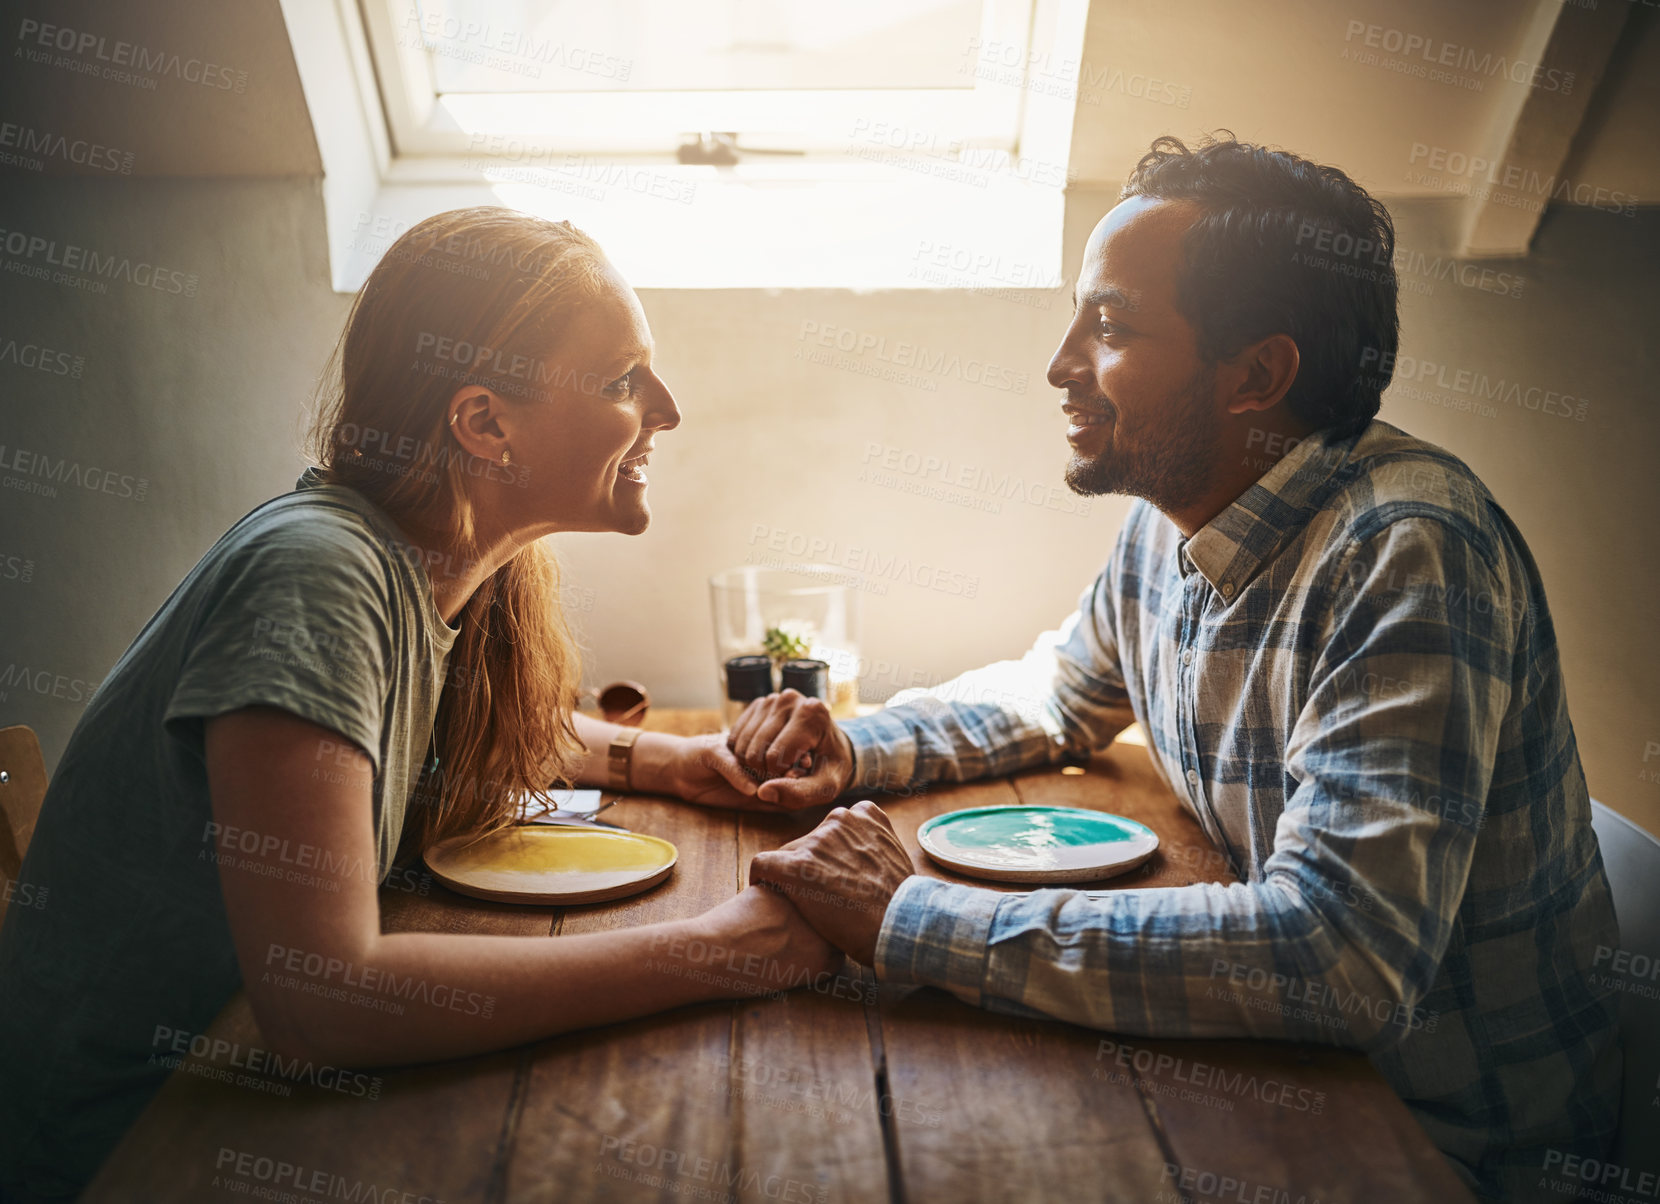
(313, 603)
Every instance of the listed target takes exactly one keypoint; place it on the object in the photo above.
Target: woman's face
(580, 443)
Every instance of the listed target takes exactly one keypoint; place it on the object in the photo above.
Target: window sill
(909, 222)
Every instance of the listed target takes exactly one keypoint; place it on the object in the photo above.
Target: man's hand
(790, 742)
(842, 875)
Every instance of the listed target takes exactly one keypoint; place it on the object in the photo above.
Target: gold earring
(454, 416)
(504, 457)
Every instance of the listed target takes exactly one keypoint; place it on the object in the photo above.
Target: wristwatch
(619, 758)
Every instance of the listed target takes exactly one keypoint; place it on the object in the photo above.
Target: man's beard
(1170, 466)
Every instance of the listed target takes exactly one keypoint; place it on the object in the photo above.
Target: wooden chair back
(22, 787)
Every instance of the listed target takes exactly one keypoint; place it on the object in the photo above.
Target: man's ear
(1263, 373)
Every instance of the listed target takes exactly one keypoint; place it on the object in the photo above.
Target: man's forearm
(934, 740)
(1196, 961)
(1065, 695)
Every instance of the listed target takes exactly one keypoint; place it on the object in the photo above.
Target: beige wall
(201, 397)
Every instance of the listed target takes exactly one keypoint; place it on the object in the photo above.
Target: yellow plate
(552, 865)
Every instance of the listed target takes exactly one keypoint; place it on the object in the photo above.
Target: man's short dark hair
(1284, 246)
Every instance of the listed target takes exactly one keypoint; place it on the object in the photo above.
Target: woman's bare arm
(293, 806)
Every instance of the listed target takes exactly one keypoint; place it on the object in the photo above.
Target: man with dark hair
(1339, 647)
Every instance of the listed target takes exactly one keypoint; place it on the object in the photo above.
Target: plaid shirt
(1351, 679)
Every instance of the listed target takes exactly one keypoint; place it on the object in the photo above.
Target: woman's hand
(704, 769)
(699, 769)
(775, 735)
(758, 942)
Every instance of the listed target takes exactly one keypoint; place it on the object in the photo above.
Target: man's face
(1142, 408)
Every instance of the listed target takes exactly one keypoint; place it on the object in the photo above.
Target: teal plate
(1037, 844)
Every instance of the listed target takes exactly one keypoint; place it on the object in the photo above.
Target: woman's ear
(475, 422)
(1265, 372)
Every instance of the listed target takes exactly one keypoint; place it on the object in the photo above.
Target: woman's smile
(634, 469)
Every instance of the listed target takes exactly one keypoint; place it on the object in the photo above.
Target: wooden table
(846, 1094)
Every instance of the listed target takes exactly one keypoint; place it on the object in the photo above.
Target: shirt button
(1193, 777)
(1187, 656)
(1227, 589)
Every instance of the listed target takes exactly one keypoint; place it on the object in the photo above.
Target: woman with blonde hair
(359, 668)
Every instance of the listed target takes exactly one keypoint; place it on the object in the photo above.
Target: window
(707, 143)
(519, 78)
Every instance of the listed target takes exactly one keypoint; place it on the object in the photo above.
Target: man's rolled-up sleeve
(1066, 694)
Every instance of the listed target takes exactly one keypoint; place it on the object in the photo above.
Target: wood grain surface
(838, 1091)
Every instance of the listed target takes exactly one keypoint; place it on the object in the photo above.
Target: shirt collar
(1230, 548)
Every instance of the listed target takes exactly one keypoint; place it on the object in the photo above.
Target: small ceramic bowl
(624, 702)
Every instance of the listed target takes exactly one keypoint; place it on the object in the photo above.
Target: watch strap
(619, 758)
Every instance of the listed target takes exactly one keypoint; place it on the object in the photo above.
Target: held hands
(784, 753)
(757, 942)
(700, 769)
(789, 742)
(841, 876)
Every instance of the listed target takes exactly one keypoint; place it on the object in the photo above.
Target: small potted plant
(787, 641)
